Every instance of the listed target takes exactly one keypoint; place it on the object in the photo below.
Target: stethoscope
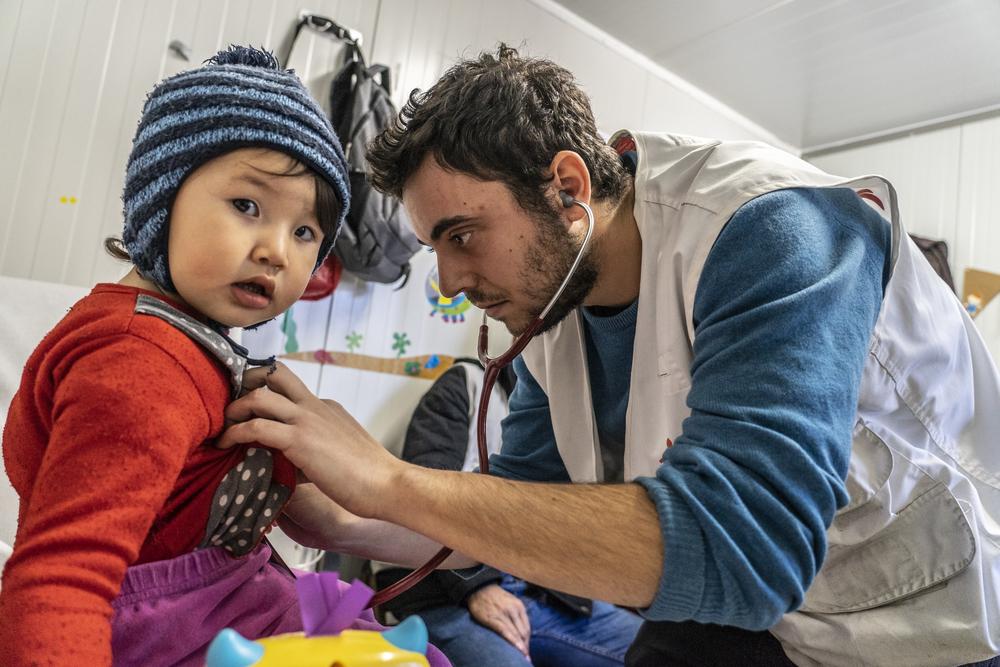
(492, 368)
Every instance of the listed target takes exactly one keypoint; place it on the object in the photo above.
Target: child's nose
(271, 249)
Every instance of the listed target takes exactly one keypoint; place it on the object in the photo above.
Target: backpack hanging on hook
(375, 242)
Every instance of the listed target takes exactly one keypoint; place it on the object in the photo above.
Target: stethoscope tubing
(492, 368)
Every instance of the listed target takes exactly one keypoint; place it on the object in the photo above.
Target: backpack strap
(383, 75)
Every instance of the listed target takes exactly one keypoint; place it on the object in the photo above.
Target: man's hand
(503, 613)
(570, 537)
(319, 437)
(313, 520)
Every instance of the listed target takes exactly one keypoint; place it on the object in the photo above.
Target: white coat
(912, 571)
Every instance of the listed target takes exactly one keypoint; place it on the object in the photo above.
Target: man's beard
(548, 262)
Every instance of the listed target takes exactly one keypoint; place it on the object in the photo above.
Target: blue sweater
(783, 314)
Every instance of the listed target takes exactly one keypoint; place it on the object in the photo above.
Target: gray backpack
(375, 242)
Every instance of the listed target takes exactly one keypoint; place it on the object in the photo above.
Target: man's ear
(570, 175)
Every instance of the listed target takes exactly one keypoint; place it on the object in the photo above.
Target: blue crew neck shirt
(784, 310)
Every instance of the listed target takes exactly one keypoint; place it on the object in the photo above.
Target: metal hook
(323, 24)
(180, 49)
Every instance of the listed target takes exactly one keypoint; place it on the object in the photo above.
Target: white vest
(913, 566)
(495, 414)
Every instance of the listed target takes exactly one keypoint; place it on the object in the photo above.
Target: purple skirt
(168, 612)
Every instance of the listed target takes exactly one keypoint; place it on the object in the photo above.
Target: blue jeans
(558, 637)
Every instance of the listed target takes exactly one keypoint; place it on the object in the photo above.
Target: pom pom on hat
(245, 55)
(239, 98)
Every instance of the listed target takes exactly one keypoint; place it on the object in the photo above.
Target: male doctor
(781, 428)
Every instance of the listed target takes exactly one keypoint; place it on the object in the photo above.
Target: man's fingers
(264, 431)
(261, 403)
(280, 379)
(287, 383)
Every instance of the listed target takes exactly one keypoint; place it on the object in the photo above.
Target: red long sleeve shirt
(107, 444)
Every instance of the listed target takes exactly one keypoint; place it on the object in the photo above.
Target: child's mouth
(251, 295)
(252, 287)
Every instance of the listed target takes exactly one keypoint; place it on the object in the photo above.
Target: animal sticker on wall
(451, 309)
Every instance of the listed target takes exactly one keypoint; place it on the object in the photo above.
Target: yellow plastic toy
(328, 607)
(401, 646)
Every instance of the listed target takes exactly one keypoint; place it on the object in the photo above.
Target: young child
(137, 540)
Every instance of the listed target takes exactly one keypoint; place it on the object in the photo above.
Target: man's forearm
(597, 541)
(388, 542)
(314, 520)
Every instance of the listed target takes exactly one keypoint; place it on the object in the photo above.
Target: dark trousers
(691, 644)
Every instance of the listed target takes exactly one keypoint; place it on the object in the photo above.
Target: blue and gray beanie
(240, 98)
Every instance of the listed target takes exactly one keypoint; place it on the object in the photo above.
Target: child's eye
(306, 233)
(247, 206)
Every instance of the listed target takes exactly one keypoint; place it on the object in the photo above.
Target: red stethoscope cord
(492, 368)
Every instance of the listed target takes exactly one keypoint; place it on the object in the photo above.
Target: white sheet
(28, 310)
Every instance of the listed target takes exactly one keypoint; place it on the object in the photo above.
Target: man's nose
(454, 278)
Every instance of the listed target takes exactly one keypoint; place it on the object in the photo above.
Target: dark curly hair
(498, 118)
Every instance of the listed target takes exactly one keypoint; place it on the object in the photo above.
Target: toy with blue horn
(327, 612)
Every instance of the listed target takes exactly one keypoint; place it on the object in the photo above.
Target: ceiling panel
(815, 72)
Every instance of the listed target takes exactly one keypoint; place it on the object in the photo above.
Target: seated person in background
(490, 619)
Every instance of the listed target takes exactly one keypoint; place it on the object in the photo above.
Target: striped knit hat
(240, 98)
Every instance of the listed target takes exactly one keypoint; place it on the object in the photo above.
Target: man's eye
(247, 206)
(305, 233)
(461, 239)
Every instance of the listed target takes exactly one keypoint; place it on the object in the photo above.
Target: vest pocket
(901, 553)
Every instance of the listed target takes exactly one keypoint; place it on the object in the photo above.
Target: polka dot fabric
(246, 503)
(248, 500)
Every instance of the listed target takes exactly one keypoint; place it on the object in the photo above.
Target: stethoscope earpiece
(492, 368)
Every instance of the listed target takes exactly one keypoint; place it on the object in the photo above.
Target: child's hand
(319, 437)
(254, 378)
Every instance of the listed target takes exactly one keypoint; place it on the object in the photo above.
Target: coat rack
(325, 26)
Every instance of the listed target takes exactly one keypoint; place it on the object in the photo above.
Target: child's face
(243, 238)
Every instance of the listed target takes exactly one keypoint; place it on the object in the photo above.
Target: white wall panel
(39, 72)
(115, 113)
(141, 46)
(978, 242)
(10, 11)
(63, 199)
(924, 168)
(391, 47)
(947, 183)
(666, 108)
(615, 84)
(414, 40)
